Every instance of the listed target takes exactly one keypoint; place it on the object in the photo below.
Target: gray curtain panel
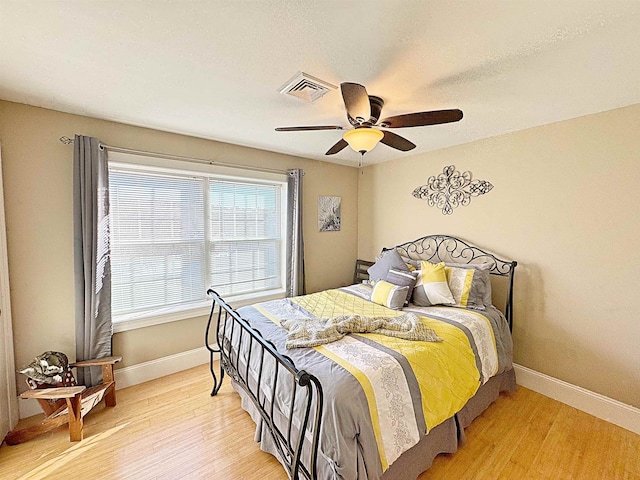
(91, 255)
(295, 242)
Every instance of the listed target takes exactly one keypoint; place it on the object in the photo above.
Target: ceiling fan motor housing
(376, 108)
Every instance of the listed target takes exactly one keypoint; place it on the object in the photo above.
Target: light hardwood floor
(171, 428)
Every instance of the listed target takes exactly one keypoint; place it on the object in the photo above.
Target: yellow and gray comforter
(383, 394)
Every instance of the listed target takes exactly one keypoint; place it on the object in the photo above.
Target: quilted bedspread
(383, 394)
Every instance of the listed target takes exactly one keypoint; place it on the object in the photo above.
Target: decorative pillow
(403, 279)
(388, 259)
(389, 295)
(431, 287)
(483, 274)
(411, 263)
(467, 284)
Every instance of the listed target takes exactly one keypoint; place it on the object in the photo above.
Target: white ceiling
(212, 69)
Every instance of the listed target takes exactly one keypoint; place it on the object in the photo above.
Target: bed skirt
(420, 457)
(444, 438)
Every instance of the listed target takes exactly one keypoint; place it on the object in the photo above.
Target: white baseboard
(139, 373)
(143, 372)
(606, 408)
(28, 408)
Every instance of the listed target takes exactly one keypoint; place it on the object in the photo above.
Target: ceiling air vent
(306, 87)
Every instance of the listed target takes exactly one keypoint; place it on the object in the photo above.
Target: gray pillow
(411, 261)
(389, 259)
(403, 279)
(479, 295)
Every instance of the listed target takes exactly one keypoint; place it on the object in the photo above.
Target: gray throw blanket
(310, 332)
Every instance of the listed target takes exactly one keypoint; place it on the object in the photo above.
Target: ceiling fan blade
(356, 102)
(420, 119)
(337, 147)
(305, 129)
(396, 141)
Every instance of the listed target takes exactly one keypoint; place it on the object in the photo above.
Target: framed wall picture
(328, 214)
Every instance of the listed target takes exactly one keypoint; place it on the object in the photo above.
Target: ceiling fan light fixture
(363, 140)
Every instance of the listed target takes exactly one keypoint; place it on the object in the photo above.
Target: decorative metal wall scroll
(328, 214)
(451, 189)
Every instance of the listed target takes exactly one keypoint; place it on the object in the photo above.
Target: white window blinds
(245, 244)
(175, 235)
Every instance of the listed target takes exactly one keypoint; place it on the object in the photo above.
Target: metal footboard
(288, 400)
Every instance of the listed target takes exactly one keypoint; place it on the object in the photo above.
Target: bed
(373, 405)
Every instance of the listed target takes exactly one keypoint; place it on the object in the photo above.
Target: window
(174, 234)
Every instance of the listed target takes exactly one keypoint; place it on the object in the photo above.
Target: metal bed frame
(233, 336)
(240, 346)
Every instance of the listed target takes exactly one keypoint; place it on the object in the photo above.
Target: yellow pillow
(389, 295)
(432, 287)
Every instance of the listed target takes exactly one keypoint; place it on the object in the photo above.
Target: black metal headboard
(445, 248)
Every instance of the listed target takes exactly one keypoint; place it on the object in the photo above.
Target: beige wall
(566, 206)
(37, 172)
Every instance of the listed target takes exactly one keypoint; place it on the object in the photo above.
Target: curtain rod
(67, 141)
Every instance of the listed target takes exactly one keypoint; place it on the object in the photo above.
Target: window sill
(149, 320)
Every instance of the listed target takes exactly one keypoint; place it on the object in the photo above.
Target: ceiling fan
(363, 113)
